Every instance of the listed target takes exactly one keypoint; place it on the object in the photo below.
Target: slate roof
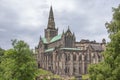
(96, 47)
(84, 41)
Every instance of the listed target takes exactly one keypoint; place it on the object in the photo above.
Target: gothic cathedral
(62, 55)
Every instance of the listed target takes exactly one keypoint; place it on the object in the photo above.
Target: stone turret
(69, 38)
(103, 43)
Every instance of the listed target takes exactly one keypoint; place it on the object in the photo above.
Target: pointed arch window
(79, 70)
(80, 57)
(74, 57)
(85, 57)
(74, 70)
(68, 57)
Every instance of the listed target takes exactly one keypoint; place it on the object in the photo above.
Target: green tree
(18, 63)
(1, 57)
(1, 53)
(109, 68)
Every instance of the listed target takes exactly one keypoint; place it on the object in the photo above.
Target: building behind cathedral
(61, 54)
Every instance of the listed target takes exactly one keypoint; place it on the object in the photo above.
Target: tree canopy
(109, 68)
(18, 63)
(1, 53)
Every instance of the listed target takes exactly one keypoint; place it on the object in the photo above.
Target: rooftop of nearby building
(96, 47)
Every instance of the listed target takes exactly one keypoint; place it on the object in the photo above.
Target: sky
(27, 19)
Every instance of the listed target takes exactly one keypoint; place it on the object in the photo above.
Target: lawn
(86, 76)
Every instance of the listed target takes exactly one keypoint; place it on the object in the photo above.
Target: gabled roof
(96, 47)
(58, 37)
(84, 41)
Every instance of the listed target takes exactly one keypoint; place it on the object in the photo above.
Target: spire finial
(40, 37)
(68, 28)
(63, 32)
(74, 34)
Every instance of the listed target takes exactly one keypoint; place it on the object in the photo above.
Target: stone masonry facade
(62, 55)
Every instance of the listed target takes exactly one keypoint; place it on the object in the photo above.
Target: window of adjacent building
(99, 58)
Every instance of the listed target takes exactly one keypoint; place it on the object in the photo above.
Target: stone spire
(51, 31)
(51, 23)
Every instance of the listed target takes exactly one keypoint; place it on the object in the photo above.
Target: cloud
(27, 19)
(2, 30)
(62, 5)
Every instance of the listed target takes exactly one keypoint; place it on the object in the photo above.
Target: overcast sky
(27, 19)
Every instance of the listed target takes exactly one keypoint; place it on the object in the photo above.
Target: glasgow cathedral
(62, 55)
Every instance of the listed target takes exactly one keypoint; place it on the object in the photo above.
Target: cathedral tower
(51, 31)
(69, 39)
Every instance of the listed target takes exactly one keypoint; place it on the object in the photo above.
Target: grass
(44, 72)
(86, 76)
(56, 76)
(49, 75)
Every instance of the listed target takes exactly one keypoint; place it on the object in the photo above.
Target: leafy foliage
(18, 63)
(1, 57)
(1, 54)
(85, 76)
(109, 68)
